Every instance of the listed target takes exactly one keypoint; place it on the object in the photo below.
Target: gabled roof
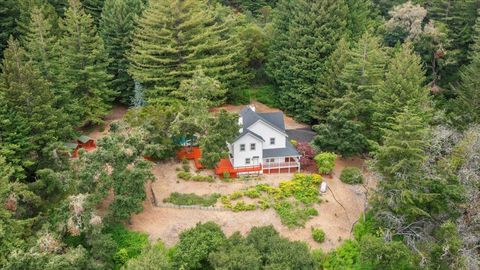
(289, 150)
(245, 132)
(275, 119)
(70, 145)
(84, 138)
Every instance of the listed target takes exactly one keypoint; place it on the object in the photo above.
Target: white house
(263, 143)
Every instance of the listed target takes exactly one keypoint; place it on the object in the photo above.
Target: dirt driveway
(335, 218)
(290, 123)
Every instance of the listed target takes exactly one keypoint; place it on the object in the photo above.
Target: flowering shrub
(306, 160)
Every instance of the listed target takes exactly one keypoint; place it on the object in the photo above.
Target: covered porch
(286, 164)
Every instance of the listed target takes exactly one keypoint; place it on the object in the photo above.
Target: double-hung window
(247, 161)
(272, 141)
(242, 147)
(252, 146)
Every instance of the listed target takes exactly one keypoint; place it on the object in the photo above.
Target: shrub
(306, 160)
(192, 199)
(129, 244)
(226, 175)
(242, 206)
(318, 235)
(252, 193)
(186, 167)
(351, 175)
(236, 195)
(184, 175)
(325, 162)
(294, 142)
(202, 178)
(294, 215)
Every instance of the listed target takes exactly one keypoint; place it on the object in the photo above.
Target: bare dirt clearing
(167, 223)
(117, 113)
(290, 123)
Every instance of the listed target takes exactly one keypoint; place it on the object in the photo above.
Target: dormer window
(242, 147)
(252, 146)
(272, 141)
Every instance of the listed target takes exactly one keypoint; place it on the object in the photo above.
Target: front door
(255, 160)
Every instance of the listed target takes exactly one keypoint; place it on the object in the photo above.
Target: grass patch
(192, 199)
(351, 175)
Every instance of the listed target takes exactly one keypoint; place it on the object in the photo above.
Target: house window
(242, 147)
(247, 161)
(255, 159)
(252, 146)
(272, 140)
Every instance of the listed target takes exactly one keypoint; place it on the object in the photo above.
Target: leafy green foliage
(192, 199)
(223, 128)
(196, 244)
(318, 235)
(325, 162)
(152, 258)
(236, 253)
(129, 244)
(351, 175)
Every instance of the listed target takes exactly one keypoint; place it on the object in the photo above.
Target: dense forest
(396, 82)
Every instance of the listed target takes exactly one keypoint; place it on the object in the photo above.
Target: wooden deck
(225, 166)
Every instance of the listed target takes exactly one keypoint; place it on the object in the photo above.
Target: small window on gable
(252, 146)
(247, 161)
(272, 140)
(242, 147)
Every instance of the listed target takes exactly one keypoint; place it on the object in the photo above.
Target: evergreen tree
(192, 35)
(30, 123)
(84, 65)
(349, 126)
(41, 46)
(26, 7)
(94, 8)
(468, 100)
(116, 27)
(329, 87)
(362, 17)
(403, 152)
(59, 5)
(305, 35)
(459, 17)
(8, 13)
(403, 87)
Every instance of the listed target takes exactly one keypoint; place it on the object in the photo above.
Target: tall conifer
(403, 86)
(329, 87)
(30, 122)
(174, 38)
(349, 126)
(116, 27)
(305, 35)
(468, 100)
(94, 8)
(8, 12)
(84, 65)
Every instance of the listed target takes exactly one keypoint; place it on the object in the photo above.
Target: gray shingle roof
(245, 132)
(289, 150)
(275, 119)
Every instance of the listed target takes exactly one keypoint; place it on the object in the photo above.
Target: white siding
(240, 156)
(267, 132)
